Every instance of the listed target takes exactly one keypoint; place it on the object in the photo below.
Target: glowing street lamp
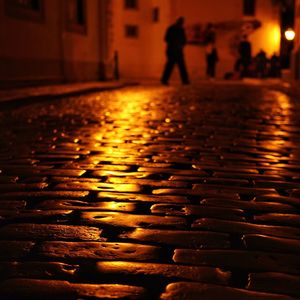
(289, 34)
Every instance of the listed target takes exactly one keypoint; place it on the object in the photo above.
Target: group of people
(175, 37)
(258, 66)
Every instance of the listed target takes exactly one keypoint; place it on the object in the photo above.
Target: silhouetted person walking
(176, 40)
(245, 53)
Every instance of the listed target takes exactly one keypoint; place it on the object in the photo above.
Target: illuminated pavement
(155, 192)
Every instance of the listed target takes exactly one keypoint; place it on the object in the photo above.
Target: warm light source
(290, 34)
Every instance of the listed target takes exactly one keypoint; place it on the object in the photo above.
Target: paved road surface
(152, 192)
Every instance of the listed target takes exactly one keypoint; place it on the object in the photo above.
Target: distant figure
(245, 53)
(274, 70)
(209, 34)
(261, 64)
(211, 60)
(176, 40)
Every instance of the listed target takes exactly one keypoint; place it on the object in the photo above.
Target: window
(34, 5)
(25, 9)
(249, 7)
(155, 14)
(131, 4)
(29, 4)
(131, 31)
(76, 16)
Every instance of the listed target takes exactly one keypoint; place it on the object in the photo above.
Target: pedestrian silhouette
(245, 53)
(211, 60)
(261, 64)
(176, 40)
(275, 66)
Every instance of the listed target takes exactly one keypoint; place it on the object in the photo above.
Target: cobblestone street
(152, 192)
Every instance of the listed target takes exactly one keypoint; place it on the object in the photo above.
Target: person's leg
(167, 70)
(247, 68)
(243, 69)
(182, 69)
(213, 70)
(207, 69)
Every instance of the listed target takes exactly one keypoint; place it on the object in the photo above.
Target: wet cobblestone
(152, 193)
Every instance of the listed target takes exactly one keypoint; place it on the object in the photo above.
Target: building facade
(296, 50)
(140, 25)
(45, 41)
(137, 36)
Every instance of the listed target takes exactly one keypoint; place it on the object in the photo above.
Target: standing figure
(261, 64)
(275, 70)
(245, 53)
(211, 60)
(176, 40)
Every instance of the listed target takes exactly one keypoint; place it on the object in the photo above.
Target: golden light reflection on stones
(280, 139)
(120, 181)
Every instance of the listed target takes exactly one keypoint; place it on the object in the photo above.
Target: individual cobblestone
(27, 231)
(44, 195)
(201, 189)
(63, 290)
(190, 239)
(234, 227)
(22, 186)
(15, 249)
(236, 259)
(85, 205)
(198, 211)
(152, 193)
(35, 215)
(130, 220)
(194, 291)
(281, 199)
(162, 271)
(39, 270)
(274, 283)
(13, 205)
(143, 198)
(251, 206)
(99, 251)
(270, 243)
(279, 219)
